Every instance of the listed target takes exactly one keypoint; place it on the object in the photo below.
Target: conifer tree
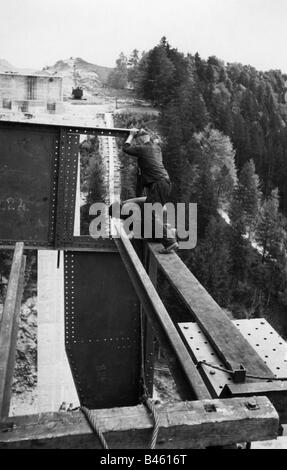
(218, 153)
(133, 67)
(270, 233)
(211, 262)
(244, 210)
(157, 74)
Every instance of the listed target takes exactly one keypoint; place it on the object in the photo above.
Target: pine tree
(203, 193)
(133, 67)
(218, 152)
(270, 233)
(243, 212)
(247, 195)
(134, 58)
(271, 236)
(185, 114)
(210, 261)
(160, 77)
(161, 72)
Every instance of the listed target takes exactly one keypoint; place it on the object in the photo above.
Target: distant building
(24, 93)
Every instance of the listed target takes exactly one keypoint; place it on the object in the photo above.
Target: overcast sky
(35, 33)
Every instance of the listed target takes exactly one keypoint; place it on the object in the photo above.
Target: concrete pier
(55, 382)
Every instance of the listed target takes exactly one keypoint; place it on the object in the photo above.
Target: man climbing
(154, 177)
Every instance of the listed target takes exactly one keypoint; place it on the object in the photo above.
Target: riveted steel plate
(38, 176)
(267, 343)
(28, 183)
(69, 153)
(258, 332)
(201, 350)
(102, 329)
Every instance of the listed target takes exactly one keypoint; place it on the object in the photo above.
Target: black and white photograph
(143, 227)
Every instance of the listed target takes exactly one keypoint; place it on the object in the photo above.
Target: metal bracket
(239, 375)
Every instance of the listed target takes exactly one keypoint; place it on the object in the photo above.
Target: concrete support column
(55, 382)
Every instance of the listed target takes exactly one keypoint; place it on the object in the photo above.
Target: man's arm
(133, 132)
(128, 148)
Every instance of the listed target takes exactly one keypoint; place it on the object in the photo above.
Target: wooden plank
(152, 269)
(276, 392)
(9, 328)
(148, 331)
(223, 335)
(187, 377)
(183, 425)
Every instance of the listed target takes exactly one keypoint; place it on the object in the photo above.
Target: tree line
(224, 134)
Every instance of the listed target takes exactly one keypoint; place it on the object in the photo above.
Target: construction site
(113, 341)
(101, 324)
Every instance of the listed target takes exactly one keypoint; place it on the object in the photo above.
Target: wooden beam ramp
(182, 425)
(233, 349)
(9, 327)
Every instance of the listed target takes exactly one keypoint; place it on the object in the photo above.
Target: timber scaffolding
(113, 313)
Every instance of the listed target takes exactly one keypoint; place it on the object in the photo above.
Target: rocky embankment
(23, 400)
(24, 387)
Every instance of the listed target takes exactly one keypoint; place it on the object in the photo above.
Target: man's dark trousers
(159, 191)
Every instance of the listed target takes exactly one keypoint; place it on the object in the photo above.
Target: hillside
(224, 133)
(5, 66)
(78, 72)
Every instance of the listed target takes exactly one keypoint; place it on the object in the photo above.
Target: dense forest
(224, 136)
